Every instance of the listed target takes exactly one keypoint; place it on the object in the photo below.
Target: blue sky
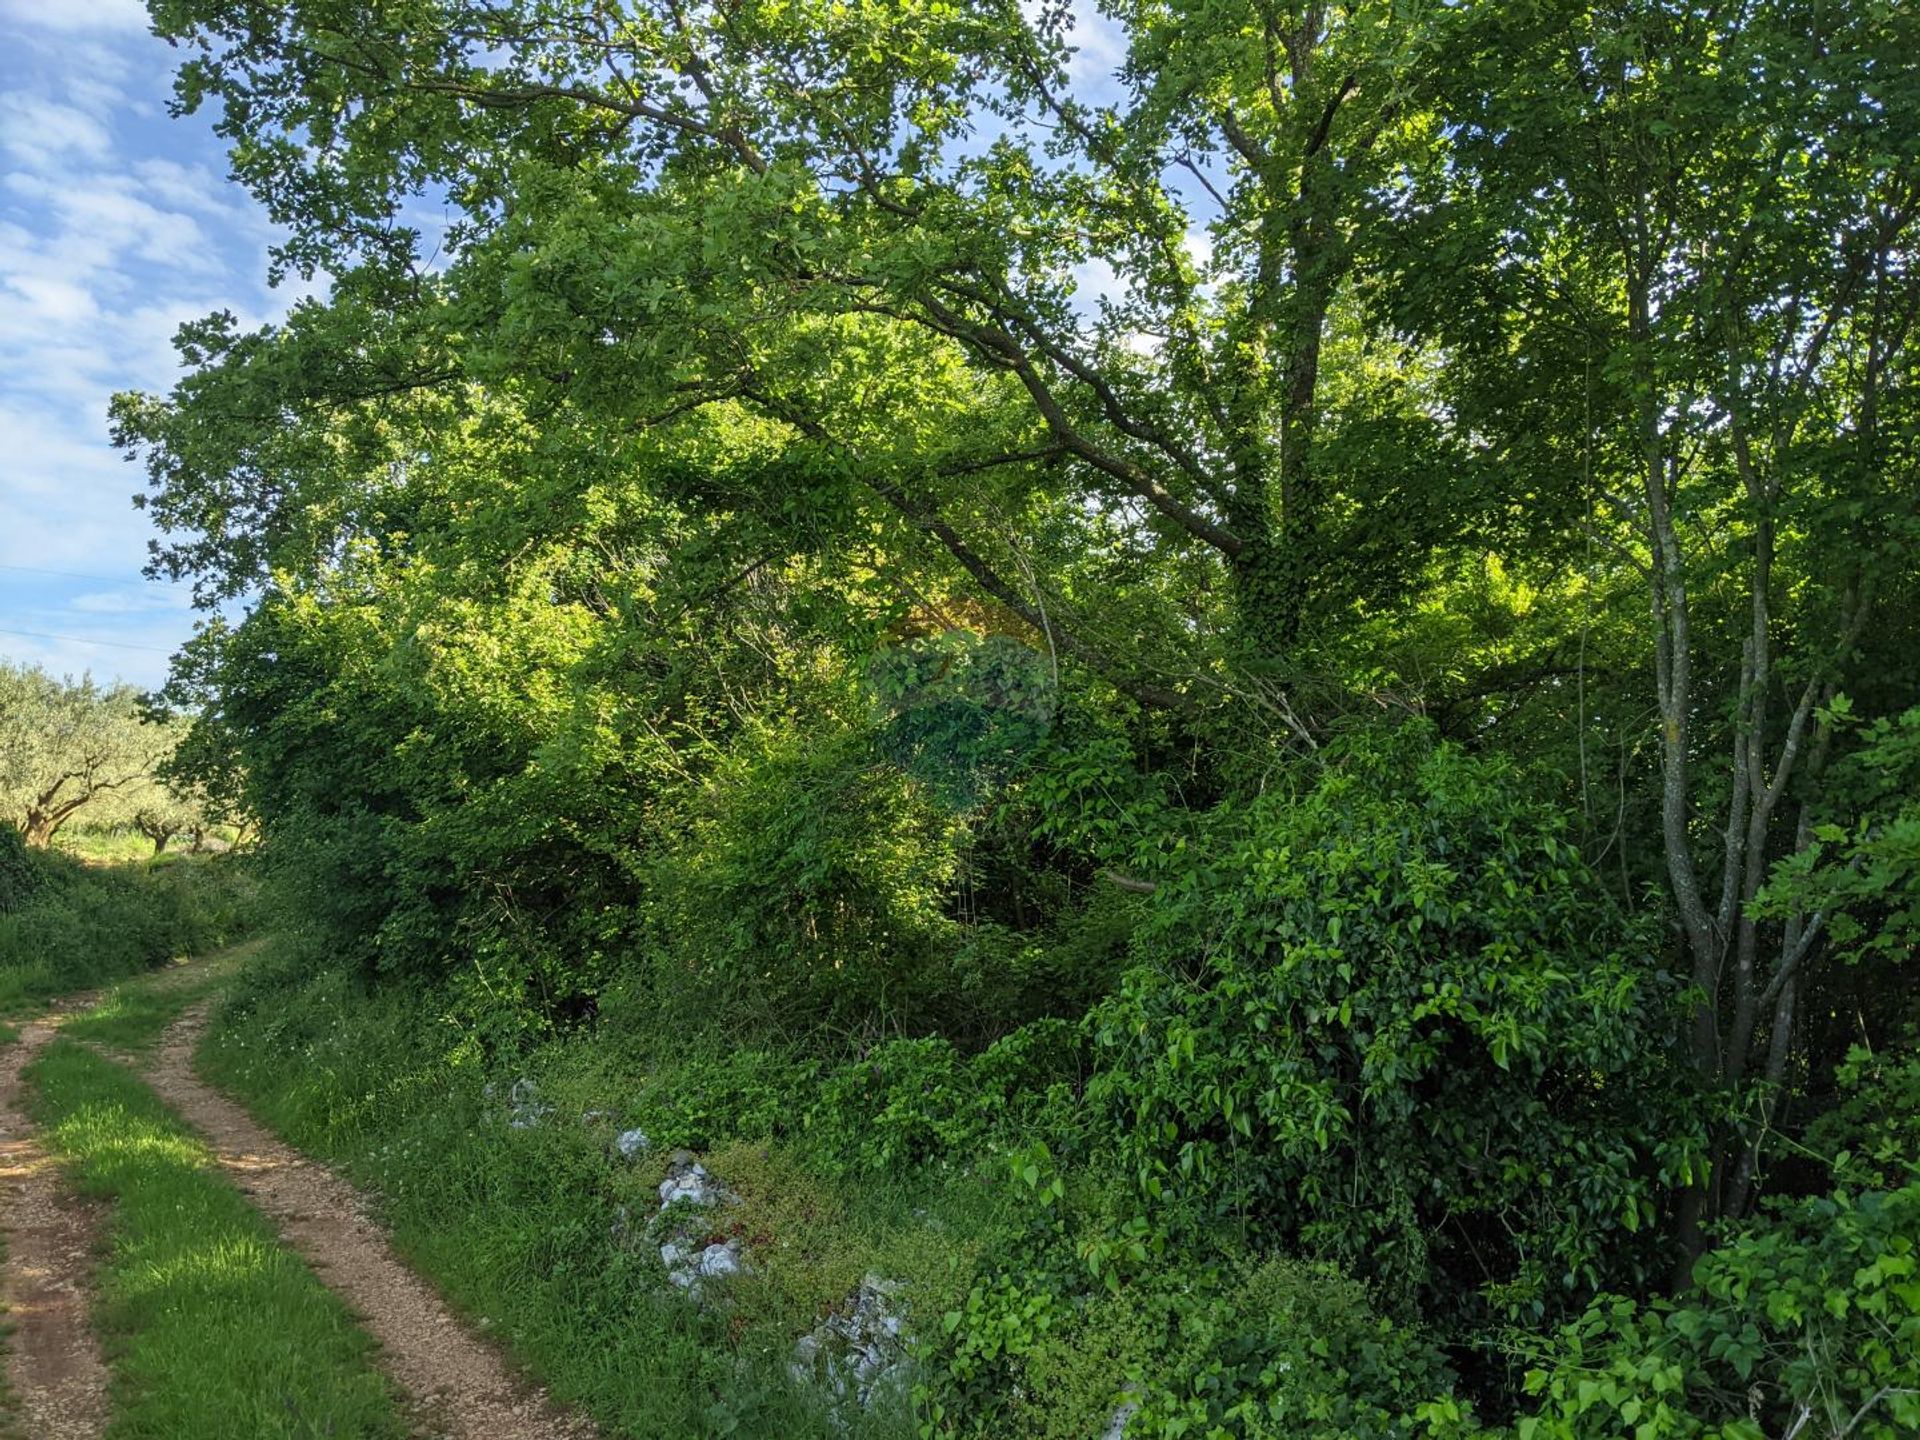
(116, 224)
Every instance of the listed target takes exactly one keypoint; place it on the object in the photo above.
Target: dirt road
(58, 1379)
(461, 1384)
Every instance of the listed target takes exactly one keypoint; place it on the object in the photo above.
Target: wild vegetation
(1247, 709)
(65, 925)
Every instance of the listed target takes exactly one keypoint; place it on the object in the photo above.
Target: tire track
(54, 1366)
(457, 1379)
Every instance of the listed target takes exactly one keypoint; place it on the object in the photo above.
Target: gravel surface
(58, 1379)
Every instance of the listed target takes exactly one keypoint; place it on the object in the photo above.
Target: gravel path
(58, 1379)
(462, 1385)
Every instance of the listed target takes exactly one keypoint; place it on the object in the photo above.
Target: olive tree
(67, 747)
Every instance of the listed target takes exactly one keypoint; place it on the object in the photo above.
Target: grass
(80, 926)
(515, 1226)
(213, 1328)
(133, 1015)
(104, 847)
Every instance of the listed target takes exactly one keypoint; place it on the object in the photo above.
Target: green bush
(86, 925)
(809, 884)
(1872, 1135)
(1807, 1324)
(1289, 1350)
(19, 876)
(1394, 1021)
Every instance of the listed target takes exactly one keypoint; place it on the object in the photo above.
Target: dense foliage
(67, 926)
(1275, 657)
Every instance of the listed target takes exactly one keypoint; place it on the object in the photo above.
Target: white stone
(719, 1260)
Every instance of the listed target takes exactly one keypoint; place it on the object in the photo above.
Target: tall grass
(67, 926)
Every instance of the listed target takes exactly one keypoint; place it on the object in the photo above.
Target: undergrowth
(521, 1229)
(67, 926)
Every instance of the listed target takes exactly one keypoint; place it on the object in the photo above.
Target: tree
(162, 813)
(766, 205)
(1536, 367)
(1712, 216)
(66, 746)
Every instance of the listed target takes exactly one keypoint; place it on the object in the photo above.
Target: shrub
(19, 875)
(1289, 1350)
(1872, 1136)
(1807, 1324)
(810, 884)
(85, 925)
(1394, 1021)
(1274, 1347)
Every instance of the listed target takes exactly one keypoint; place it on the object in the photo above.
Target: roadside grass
(521, 1228)
(133, 1015)
(213, 1329)
(24, 986)
(80, 926)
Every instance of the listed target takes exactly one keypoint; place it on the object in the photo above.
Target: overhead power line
(102, 579)
(88, 640)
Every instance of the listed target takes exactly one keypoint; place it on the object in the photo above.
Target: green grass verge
(133, 1015)
(214, 1329)
(517, 1227)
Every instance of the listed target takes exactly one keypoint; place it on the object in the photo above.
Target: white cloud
(116, 226)
(70, 16)
(41, 133)
(129, 601)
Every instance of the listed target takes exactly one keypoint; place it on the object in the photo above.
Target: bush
(1872, 1136)
(1394, 1021)
(1805, 1325)
(85, 925)
(1289, 1350)
(912, 1103)
(1263, 1348)
(19, 875)
(809, 886)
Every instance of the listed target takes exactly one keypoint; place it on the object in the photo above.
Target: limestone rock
(858, 1353)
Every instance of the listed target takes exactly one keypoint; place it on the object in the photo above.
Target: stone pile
(683, 1225)
(857, 1354)
(860, 1352)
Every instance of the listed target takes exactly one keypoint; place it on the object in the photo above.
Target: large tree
(662, 206)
